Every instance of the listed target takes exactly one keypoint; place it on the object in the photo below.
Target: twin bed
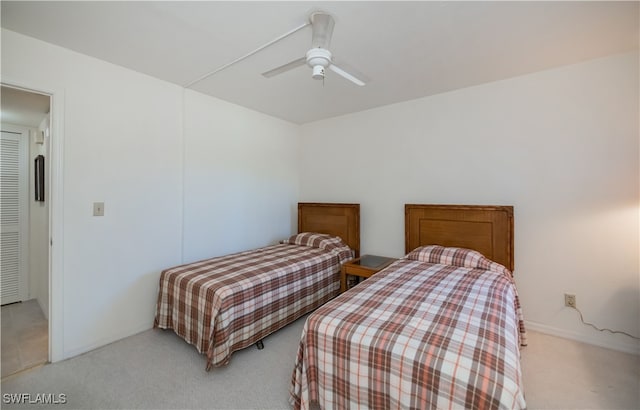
(224, 304)
(439, 328)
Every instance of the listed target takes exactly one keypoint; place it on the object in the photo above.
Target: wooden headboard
(486, 229)
(341, 220)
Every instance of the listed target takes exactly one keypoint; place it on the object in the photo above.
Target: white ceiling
(21, 107)
(406, 50)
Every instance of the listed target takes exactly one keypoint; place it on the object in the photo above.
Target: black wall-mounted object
(39, 178)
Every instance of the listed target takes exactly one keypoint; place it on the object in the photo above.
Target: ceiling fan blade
(286, 67)
(346, 75)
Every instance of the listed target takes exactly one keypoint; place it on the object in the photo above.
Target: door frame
(55, 196)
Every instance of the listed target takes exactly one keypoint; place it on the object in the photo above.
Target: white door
(14, 184)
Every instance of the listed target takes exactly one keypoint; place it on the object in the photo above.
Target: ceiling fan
(319, 58)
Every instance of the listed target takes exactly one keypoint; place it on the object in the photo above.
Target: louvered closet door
(13, 191)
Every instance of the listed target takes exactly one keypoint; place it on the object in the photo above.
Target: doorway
(25, 119)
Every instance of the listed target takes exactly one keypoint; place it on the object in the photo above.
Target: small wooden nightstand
(364, 266)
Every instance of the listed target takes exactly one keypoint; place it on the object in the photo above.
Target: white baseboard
(633, 346)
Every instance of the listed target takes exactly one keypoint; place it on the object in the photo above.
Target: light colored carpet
(565, 374)
(156, 369)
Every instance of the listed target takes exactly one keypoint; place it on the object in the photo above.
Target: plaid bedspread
(416, 335)
(227, 303)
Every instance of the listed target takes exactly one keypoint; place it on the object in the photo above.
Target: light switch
(98, 209)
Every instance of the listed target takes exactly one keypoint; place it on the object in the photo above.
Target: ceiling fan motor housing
(318, 59)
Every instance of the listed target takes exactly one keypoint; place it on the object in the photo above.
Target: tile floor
(25, 339)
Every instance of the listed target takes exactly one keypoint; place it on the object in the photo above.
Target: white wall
(561, 146)
(126, 144)
(39, 226)
(241, 178)
(177, 170)
(121, 146)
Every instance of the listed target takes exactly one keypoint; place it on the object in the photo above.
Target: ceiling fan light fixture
(318, 72)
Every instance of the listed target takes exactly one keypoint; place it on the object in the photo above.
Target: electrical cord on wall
(605, 329)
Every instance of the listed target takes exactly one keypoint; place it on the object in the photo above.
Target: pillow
(467, 258)
(321, 241)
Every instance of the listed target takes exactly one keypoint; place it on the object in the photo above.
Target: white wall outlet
(570, 300)
(98, 209)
